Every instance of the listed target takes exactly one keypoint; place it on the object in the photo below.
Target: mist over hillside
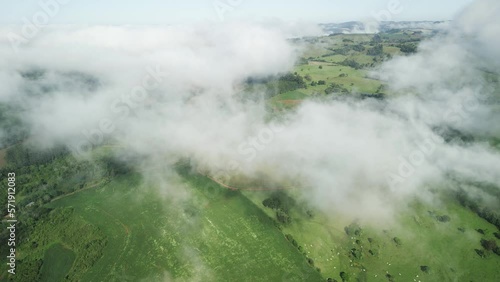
(173, 93)
(236, 105)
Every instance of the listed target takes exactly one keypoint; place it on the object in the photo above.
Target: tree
(496, 250)
(116, 166)
(351, 63)
(425, 268)
(408, 48)
(377, 39)
(443, 218)
(272, 203)
(397, 241)
(377, 50)
(283, 217)
(465, 200)
(291, 240)
(279, 201)
(488, 245)
(353, 229)
(310, 214)
(480, 253)
(336, 88)
(290, 82)
(358, 48)
(344, 276)
(357, 254)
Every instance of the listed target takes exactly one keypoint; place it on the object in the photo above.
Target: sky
(147, 12)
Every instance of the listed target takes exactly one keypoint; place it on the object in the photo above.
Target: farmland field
(219, 229)
(58, 261)
(218, 233)
(326, 240)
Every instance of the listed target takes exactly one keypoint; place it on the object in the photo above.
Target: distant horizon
(195, 23)
(155, 12)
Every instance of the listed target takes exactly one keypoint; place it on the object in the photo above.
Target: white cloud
(341, 153)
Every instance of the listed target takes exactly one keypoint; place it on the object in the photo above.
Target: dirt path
(3, 162)
(246, 189)
(77, 191)
(290, 102)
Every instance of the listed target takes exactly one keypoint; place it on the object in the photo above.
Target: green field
(355, 80)
(57, 262)
(131, 230)
(345, 61)
(220, 236)
(448, 252)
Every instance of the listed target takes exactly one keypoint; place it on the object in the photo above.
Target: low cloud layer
(175, 92)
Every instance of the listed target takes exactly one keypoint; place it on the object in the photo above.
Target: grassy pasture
(355, 80)
(330, 60)
(223, 235)
(216, 236)
(447, 251)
